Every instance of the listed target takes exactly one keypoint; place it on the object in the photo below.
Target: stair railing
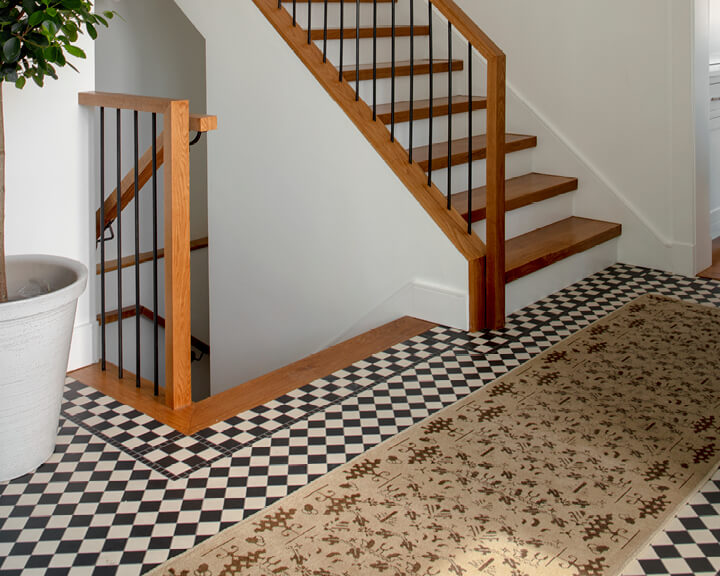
(172, 150)
(489, 270)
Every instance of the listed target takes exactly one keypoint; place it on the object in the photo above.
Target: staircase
(438, 133)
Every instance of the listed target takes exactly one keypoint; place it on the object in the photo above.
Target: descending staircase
(418, 161)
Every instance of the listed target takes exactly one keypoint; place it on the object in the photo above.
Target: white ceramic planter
(35, 335)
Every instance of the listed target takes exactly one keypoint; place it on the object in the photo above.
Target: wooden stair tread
(542, 247)
(382, 32)
(421, 110)
(519, 192)
(127, 261)
(513, 143)
(402, 68)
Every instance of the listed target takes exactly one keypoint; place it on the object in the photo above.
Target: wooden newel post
(178, 390)
(495, 273)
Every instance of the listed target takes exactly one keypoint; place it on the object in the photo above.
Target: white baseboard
(439, 305)
(418, 299)
(82, 349)
(715, 223)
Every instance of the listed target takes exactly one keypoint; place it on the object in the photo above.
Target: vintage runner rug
(565, 466)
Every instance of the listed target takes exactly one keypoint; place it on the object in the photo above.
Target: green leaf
(37, 39)
(11, 49)
(38, 79)
(91, 31)
(29, 6)
(50, 11)
(36, 18)
(49, 28)
(20, 83)
(75, 51)
(72, 5)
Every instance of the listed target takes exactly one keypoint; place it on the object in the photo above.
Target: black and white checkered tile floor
(123, 492)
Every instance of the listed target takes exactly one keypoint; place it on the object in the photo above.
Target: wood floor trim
(258, 391)
(714, 271)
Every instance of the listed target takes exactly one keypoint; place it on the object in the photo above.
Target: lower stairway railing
(169, 150)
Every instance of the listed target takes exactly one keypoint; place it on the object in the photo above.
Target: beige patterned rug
(566, 466)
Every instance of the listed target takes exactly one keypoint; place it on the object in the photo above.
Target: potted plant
(38, 294)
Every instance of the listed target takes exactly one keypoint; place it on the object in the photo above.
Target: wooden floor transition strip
(714, 271)
(566, 466)
(258, 391)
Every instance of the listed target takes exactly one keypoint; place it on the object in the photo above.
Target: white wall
(47, 183)
(311, 233)
(714, 31)
(612, 82)
(714, 42)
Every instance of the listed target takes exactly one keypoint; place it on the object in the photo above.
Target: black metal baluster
(103, 354)
(450, 119)
(156, 366)
(325, 32)
(137, 250)
(430, 129)
(412, 76)
(392, 79)
(374, 59)
(294, 12)
(119, 241)
(357, 50)
(342, 37)
(470, 138)
(279, 4)
(309, 30)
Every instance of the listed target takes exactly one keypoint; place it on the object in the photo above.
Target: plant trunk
(3, 274)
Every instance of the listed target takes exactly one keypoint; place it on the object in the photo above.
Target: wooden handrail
(176, 194)
(469, 29)
(127, 187)
(125, 101)
(198, 123)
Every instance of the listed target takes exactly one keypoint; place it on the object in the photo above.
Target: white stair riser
(384, 50)
(532, 217)
(421, 129)
(421, 88)
(516, 164)
(542, 283)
